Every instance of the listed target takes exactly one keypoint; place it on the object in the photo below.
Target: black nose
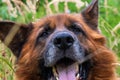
(63, 41)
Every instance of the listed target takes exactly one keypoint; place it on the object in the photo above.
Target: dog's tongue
(67, 73)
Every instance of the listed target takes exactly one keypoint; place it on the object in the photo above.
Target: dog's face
(56, 46)
(63, 38)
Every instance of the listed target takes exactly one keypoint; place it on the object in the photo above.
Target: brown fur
(28, 62)
(103, 59)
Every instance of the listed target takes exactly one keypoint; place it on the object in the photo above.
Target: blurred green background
(25, 11)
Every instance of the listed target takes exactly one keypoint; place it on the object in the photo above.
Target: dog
(60, 47)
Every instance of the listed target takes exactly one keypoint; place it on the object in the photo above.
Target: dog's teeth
(55, 73)
(77, 67)
(57, 78)
(78, 76)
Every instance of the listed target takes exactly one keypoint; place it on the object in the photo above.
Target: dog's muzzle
(64, 53)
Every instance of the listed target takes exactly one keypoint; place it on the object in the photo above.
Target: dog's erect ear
(14, 35)
(90, 14)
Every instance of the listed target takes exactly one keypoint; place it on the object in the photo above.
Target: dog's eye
(45, 33)
(75, 28)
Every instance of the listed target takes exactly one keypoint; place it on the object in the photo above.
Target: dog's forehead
(58, 20)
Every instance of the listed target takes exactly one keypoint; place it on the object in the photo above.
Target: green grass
(108, 20)
(6, 63)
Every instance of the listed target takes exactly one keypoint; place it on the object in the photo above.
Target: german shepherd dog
(60, 47)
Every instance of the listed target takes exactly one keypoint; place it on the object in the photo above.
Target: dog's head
(55, 46)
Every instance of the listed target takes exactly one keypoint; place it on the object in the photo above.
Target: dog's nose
(63, 41)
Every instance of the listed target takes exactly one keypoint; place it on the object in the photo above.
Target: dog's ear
(14, 35)
(90, 14)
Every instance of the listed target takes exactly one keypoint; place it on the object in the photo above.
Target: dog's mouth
(68, 69)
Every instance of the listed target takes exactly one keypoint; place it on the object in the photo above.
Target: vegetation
(109, 22)
(25, 11)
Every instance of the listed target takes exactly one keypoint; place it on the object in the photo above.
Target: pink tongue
(67, 73)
